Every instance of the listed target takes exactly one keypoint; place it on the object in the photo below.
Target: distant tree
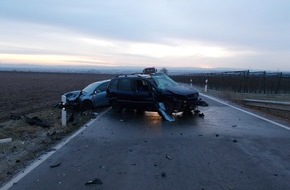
(164, 70)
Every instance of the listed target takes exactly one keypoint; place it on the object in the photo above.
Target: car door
(125, 93)
(99, 96)
(143, 95)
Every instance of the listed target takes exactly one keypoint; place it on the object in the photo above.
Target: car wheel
(87, 105)
(116, 106)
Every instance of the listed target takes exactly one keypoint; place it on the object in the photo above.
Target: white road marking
(44, 157)
(247, 112)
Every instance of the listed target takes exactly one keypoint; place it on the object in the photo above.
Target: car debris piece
(55, 165)
(51, 133)
(35, 121)
(234, 125)
(162, 110)
(163, 174)
(169, 158)
(201, 115)
(94, 181)
(235, 141)
(6, 140)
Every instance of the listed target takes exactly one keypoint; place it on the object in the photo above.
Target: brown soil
(35, 95)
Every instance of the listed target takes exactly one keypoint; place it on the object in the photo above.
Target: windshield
(163, 81)
(90, 89)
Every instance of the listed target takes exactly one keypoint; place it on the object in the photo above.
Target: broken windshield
(163, 81)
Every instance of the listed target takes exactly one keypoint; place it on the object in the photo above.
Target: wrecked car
(152, 91)
(92, 96)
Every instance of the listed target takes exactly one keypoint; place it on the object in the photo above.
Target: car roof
(137, 75)
(95, 84)
(101, 81)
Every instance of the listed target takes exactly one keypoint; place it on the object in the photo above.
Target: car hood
(182, 90)
(73, 95)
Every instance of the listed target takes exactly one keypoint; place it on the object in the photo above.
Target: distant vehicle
(152, 91)
(92, 96)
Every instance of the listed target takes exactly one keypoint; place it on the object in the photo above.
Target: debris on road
(51, 133)
(35, 121)
(168, 157)
(200, 115)
(162, 110)
(6, 140)
(163, 174)
(234, 125)
(94, 181)
(217, 135)
(55, 165)
(235, 141)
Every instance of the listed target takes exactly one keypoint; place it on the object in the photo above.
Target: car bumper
(180, 106)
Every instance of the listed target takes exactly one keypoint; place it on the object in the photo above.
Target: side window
(114, 85)
(142, 86)
(125, 84)
(102, 87)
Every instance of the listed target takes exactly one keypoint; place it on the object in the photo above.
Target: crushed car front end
(177, 97)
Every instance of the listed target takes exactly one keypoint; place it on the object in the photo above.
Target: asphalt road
(227, 149)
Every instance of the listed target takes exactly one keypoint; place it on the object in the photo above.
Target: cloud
(215, 33)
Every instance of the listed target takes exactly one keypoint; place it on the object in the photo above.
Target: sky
(240, 34)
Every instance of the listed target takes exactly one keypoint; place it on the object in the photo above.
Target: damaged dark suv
(152, 91)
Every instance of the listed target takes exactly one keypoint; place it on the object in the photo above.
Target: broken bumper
(200, 102)
(190, 105)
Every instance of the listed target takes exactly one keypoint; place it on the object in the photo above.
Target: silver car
(92, 96)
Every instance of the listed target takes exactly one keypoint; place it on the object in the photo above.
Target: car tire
(87, 105)
(116, 106)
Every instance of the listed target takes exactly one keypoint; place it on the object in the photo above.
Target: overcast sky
(240, 34)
